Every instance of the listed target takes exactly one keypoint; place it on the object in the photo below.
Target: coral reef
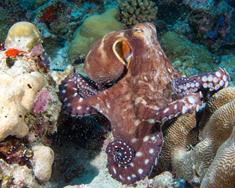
(90, 31)
(13, 150)
(29, 108)
(132, 12)
(200, 4)
(16, 176)
(197, 146)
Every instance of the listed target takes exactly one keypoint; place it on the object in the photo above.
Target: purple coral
(41, 101)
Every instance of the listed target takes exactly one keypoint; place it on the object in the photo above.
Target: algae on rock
(187, 57)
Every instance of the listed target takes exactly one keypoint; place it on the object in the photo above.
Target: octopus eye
(122, 51)
(138, 30)
(121, 152)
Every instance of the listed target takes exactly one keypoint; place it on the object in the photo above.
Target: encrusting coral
(200, 161)
(132, 12)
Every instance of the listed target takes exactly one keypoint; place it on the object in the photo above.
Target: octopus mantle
(145, 92)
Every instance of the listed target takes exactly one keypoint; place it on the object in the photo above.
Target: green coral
(132, 12)
(186, 56)
(92, 29)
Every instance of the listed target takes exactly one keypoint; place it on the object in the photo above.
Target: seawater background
(197, 37)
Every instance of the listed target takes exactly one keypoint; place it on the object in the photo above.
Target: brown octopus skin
(141, 97)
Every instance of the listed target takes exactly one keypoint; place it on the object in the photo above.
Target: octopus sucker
(129, 164)
(145, 92)
(74, 90)
(212, 81)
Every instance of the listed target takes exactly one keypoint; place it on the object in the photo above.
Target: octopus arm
(132, 159)
(74, 93)
(211, 81)
(187, 104)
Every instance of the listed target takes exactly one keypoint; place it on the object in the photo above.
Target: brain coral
(194, 163)
(222, 170)
(132, 12)
(23, 36)
(180, 133)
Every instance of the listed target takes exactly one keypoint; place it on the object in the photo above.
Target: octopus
(133, 84)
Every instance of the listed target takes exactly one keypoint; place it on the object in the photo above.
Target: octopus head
(110, 58)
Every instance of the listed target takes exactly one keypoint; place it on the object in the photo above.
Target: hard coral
(195, 163)
(92, 30)
(132, 12)
(16, 100)
(221, 172)
(23, 36)
(181, 134)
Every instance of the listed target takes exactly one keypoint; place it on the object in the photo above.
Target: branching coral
(137, 11)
